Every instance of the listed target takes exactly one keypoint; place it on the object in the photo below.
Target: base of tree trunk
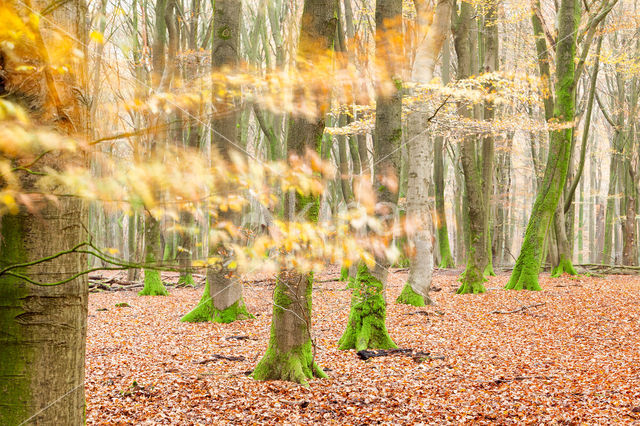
(296, 365)
(153, 285)
(471, 282)
(366, 328)
(410, 297)
(207, 312)
(186, 280)
(565, 266)
(344, 273)
(524, 275)
(488, 270)
(447, 261)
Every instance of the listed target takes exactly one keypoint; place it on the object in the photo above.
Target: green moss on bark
(446, 259)
(344, 274)
(295, 363)
(565, 266)
(153, 285)
(366, 328)
(15, 392)
(472, 281)
(410, 297)
(186, 280)
(207, 312)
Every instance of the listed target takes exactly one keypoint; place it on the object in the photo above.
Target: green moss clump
(207, 312)
(488, 270)
(186, 280)
(366, 328)
(472, 281)
(344, 274)
(410, 297)
(153, 285)
(565, 266)
(296, 365)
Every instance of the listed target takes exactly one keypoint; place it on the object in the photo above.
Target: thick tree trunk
(43, 328)
(525, 272)
(290, 355)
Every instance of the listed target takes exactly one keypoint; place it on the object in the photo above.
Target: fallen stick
(520, 309)
(417, 356)
(225, 357)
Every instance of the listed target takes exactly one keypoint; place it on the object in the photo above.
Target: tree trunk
(477, 256)
(222, 300)
(387, 138)
(446, 258)
(430, 40)
(153, 285)
(525, 272)
(290, 354)
(43, 327)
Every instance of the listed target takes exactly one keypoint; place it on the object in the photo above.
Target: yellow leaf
(97, 37)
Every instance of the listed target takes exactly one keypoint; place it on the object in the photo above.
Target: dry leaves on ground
(570, 356)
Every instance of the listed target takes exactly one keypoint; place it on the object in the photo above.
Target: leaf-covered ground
(574, 358)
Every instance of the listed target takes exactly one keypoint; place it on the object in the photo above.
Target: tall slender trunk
(222, 300)
(366, 327)
(446, 259)
(477, 256)
(430, 40)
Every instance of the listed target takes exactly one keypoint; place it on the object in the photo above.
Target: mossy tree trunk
(366, 327)
(490, 48)
(527, 267)
(431, 36)
(290, 355)
(387, 137)
(43, 328)
(153, 285)
(472, 281)
(222, 300)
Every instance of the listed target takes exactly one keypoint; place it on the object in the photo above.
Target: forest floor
(574, 357)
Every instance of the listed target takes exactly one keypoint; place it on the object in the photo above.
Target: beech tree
(290, 354)
(366, 327)
(43, 295)
(222, 300)
(431, 37)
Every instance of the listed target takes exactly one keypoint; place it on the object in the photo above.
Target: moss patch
(410, 297)
(186, 280)
(565, 266)
(366, 328)
(205, 311)
(153, 285)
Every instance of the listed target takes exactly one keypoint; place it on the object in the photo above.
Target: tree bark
(430, 40)
(527, 267)
(43, 328)
(290, 354)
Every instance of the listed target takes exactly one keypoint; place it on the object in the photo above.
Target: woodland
(319, 211)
